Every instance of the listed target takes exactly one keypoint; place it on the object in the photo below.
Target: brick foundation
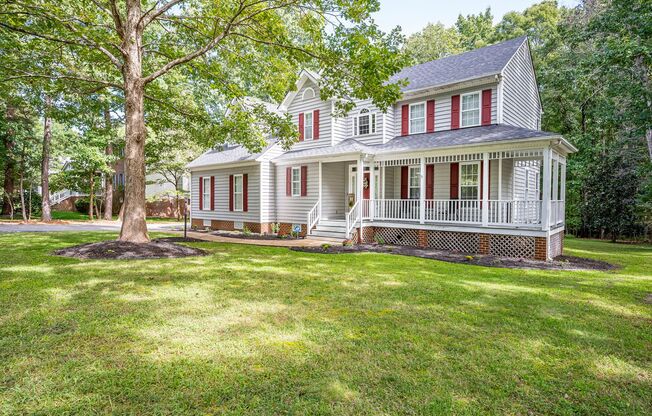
(285, 228)
(222, 225)
(484, 244)
(197, 223)
(228, 225)
(540, 248)
(422, 238)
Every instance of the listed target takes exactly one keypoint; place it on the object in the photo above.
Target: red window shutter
(486, 107)
(230, 192)
(405, 114)
(455, 180)
(201, 193)
(430, 181)
(455, 112)
(212, 193)
(300, 127)
(404, 182)
(304, 180)
(430, 119)
(245, 192)
(288, 181)
(315, 125)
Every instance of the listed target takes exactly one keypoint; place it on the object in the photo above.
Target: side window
(364, 123)
(470, 181)
(296, 181)
(307, 126)
(470, 109)
(417, 118)
(206, 190)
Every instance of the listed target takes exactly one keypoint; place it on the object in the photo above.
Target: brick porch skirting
(229, 225)
(285, 228)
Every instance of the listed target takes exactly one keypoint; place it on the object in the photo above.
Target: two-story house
(459, 163)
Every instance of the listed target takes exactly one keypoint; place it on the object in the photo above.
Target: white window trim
(206, 187)
(479, 108)
(240, 175)
(303, 96)
(373, 122)
(410, 187)
(459, 180)
(425, 117)
(292, 194)
(305, 125)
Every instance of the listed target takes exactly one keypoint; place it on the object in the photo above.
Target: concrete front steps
(330, 229)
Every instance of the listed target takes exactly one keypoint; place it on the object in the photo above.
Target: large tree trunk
(134, 226)
(22, 196)
(108, 182)
(10, 165)
(46, 215)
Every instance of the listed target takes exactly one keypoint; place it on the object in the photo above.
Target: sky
(413, 15)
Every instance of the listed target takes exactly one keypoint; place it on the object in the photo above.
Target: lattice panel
(368, 234)
(452, 241)
(516, 246)
(398, 236)
(556, 245)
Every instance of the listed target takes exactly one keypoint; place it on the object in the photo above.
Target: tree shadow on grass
(264, 330)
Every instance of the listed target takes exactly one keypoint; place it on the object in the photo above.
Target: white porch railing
(557, 212)
(313, 216)
(514, 212)
(352, 218)
(57, 197)
(456, 211)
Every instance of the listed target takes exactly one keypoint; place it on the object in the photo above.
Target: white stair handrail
(313, 216)
(352, 218)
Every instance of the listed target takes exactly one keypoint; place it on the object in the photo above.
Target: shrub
(82, 205)
(325, 246)
(276, 227)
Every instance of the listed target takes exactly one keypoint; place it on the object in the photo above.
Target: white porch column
(422, 190)
(555, 178)
(500, 187)
(320, 191)
(485, 189)
(372, 189)
(562, 191)
(359, 192)
(545, 208)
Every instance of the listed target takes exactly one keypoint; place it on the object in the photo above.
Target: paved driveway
(13, 227)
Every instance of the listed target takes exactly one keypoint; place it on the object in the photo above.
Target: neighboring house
(459, 163)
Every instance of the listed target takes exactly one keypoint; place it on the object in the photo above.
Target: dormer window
(470, 113)
(364, 123)
(307, 126)
(417, 118)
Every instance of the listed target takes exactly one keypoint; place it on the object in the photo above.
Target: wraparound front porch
(520, 189)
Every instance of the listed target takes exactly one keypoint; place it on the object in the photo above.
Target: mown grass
(77, 216)
(261, 330)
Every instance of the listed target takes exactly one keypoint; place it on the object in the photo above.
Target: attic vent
(308, 93)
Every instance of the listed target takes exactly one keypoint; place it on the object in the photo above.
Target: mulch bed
(162, 248)
(559, 263)
(253, 236)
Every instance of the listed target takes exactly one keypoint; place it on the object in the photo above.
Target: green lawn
(76, 216)
(259, 330)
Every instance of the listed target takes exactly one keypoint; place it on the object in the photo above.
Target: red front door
(366, 186)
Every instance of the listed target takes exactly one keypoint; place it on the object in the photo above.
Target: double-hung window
(417, 118)
(238, 195)
(296, 181)
(470, 109)
(414, 184)
(470, 180)
(206, 193)
(307, 126)
(364, 123)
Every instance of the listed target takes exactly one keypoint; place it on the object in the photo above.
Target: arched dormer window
(364, 122)
(308, 93)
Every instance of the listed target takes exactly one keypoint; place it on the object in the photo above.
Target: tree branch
(152, 14)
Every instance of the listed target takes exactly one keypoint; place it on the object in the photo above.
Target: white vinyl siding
(443, 107)
(221, 194)
(520, 98)
(307, 105)
(334, 174)
(291, 209)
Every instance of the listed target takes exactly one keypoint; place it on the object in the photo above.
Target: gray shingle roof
(345, 147)
(460, 137)
(477, 63)
(227, 154)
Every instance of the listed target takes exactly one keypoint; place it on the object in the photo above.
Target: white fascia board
(222, 166)
(440, 89)
(304, 75)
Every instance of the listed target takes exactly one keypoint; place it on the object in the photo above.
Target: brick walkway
(305, 242)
